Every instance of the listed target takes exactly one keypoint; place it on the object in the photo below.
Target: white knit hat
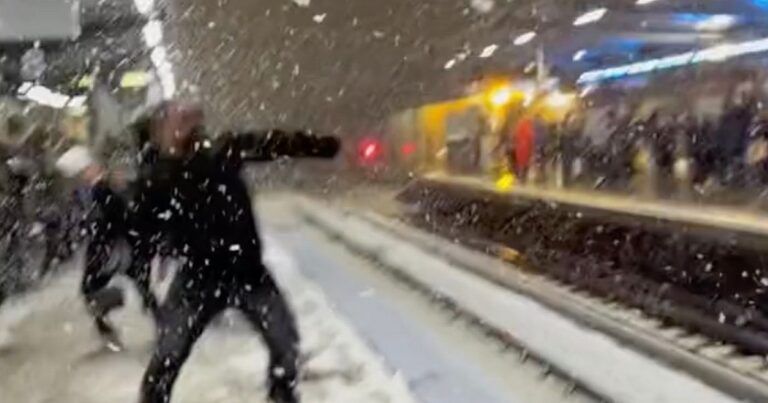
(74, 161)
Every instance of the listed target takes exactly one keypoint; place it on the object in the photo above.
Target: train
(462, 136)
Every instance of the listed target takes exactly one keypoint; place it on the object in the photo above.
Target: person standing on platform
(109, 226)
(197, 196)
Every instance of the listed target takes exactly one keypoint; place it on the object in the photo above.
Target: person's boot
(104, 302)
(109, 335)
(282, 392)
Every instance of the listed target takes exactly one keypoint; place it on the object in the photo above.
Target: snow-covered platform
(49, 352)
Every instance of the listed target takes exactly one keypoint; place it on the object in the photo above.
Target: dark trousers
(197, 295)
(100, 299)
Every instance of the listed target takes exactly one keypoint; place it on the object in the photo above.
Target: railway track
(721, 365)
(716, 364)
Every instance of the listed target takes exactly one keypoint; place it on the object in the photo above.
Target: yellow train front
(468, 136)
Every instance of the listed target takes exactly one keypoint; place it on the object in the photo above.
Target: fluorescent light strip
(25, 87)
(717, 53)
(153, 33)
(158, 56)
(77, 102)
(44, 96)
(144, 6)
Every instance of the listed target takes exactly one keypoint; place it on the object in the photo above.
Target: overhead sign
(28, 20)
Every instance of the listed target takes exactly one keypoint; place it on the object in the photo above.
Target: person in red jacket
(524, 138)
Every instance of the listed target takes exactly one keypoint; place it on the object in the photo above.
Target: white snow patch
(335, 347)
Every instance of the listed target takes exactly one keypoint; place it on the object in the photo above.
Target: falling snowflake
(318, 18)
(489, 51)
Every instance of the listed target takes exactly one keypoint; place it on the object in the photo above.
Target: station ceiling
(362, 60)
(345, 64)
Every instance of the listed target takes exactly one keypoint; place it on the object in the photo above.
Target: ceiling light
(158, 56)
(717, 53)
(718, 22)
(153, 33)
(525, 38)
(501, 96)
(590, 17)
(169, 88)
(24, 87)
(77, 102)
(144, 6)
(644, 2)
(44, 96)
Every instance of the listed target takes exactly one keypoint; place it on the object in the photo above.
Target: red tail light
(370, 150)
(408, 149)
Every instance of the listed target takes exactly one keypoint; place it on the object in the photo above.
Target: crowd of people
(184, 196)
(38, 211)
(666, 153)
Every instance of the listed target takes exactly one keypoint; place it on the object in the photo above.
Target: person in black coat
(110, 226)
(196, 195)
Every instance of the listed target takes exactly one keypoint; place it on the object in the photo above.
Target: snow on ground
(48, 352)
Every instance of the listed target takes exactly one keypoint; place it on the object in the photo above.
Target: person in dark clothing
(110, 226)
(733, 137)
(197, 196)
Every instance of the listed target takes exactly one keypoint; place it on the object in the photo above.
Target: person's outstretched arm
(269, 145)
